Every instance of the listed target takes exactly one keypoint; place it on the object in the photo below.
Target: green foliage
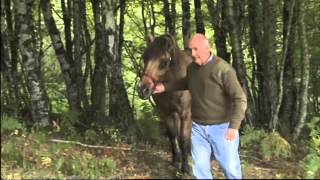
(148, 130)
(274, 146)
(113, 135)
(38, 159)
(10, 124)
(252, 136)
(312, 160)
(147, 124)
(90, 135)
(270, 145)
(68, 121)
(245, 166)
(12, 153)
(88, 166)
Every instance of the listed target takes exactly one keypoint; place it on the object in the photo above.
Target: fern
(274, 146)
(312, 160)
(251, 136)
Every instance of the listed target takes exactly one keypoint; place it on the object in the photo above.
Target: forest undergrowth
(39, 154)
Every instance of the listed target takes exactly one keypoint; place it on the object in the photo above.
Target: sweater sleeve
(237, 96)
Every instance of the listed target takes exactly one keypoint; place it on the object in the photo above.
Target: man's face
(200, 48)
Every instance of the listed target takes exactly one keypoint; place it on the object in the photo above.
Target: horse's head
(158, 58)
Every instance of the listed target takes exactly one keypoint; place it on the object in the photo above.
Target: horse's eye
(163, 64)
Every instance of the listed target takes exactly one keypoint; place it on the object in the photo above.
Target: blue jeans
(209, 141)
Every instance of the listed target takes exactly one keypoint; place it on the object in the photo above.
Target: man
(218, 107)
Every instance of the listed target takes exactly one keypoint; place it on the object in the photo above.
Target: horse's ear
(149, 38)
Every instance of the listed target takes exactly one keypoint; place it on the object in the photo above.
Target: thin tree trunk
(198, 16)
(238, 56)
(305, 63)
(186, 32)
(173, 18)
(12, 31)
(275, 114)
(99, 77)
(119, 108)
(289, 89)
(31, 64)
(87, 43)
(169, 16)
(269, 58)
(77, 55)
(217, 17)
(67, 15)
(255, 18)
(68, 71)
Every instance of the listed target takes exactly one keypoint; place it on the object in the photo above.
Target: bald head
(200, 47)
(199, 39)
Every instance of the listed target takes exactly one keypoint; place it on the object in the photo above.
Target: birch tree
(31, 63)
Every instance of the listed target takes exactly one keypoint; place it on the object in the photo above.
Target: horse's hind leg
(172, 131)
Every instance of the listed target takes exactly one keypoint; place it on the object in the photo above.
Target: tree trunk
(237, 55)
(278, 99)
(147, 9)
(169, 16)
(305, 61)
(69, 73)
(217, 17)
(31, 64)
(119, 108)
(87, 43)
(78, 46)
(13, 74)
(198, 16)
(255, 18)
(269, 60)
(286, 86)
(99, 77)
(186, 32)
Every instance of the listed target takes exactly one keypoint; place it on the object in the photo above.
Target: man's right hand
(159, 88)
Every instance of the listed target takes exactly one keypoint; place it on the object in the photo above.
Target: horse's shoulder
(184, 56)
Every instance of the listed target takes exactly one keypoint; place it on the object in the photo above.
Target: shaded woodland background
(73, 65)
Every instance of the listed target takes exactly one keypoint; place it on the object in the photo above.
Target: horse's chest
(168, 101)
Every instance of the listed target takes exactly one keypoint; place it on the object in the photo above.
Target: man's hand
(231, 134)
(159, 88)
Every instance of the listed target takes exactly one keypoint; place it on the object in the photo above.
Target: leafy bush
(251, 136)
(271, 145)
(68, 121)
(312, 160)
(11, 125)
(274, 146)
(147, 125)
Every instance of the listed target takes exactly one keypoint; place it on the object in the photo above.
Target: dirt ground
(154, 163)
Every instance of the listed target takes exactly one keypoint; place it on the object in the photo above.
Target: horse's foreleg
(186, 142)
(172, 130)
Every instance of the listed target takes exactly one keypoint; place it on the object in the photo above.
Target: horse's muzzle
(144, 92)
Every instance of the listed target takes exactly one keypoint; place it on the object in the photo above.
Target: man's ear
(149, 38)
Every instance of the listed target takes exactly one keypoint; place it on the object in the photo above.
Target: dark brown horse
(165, 62)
